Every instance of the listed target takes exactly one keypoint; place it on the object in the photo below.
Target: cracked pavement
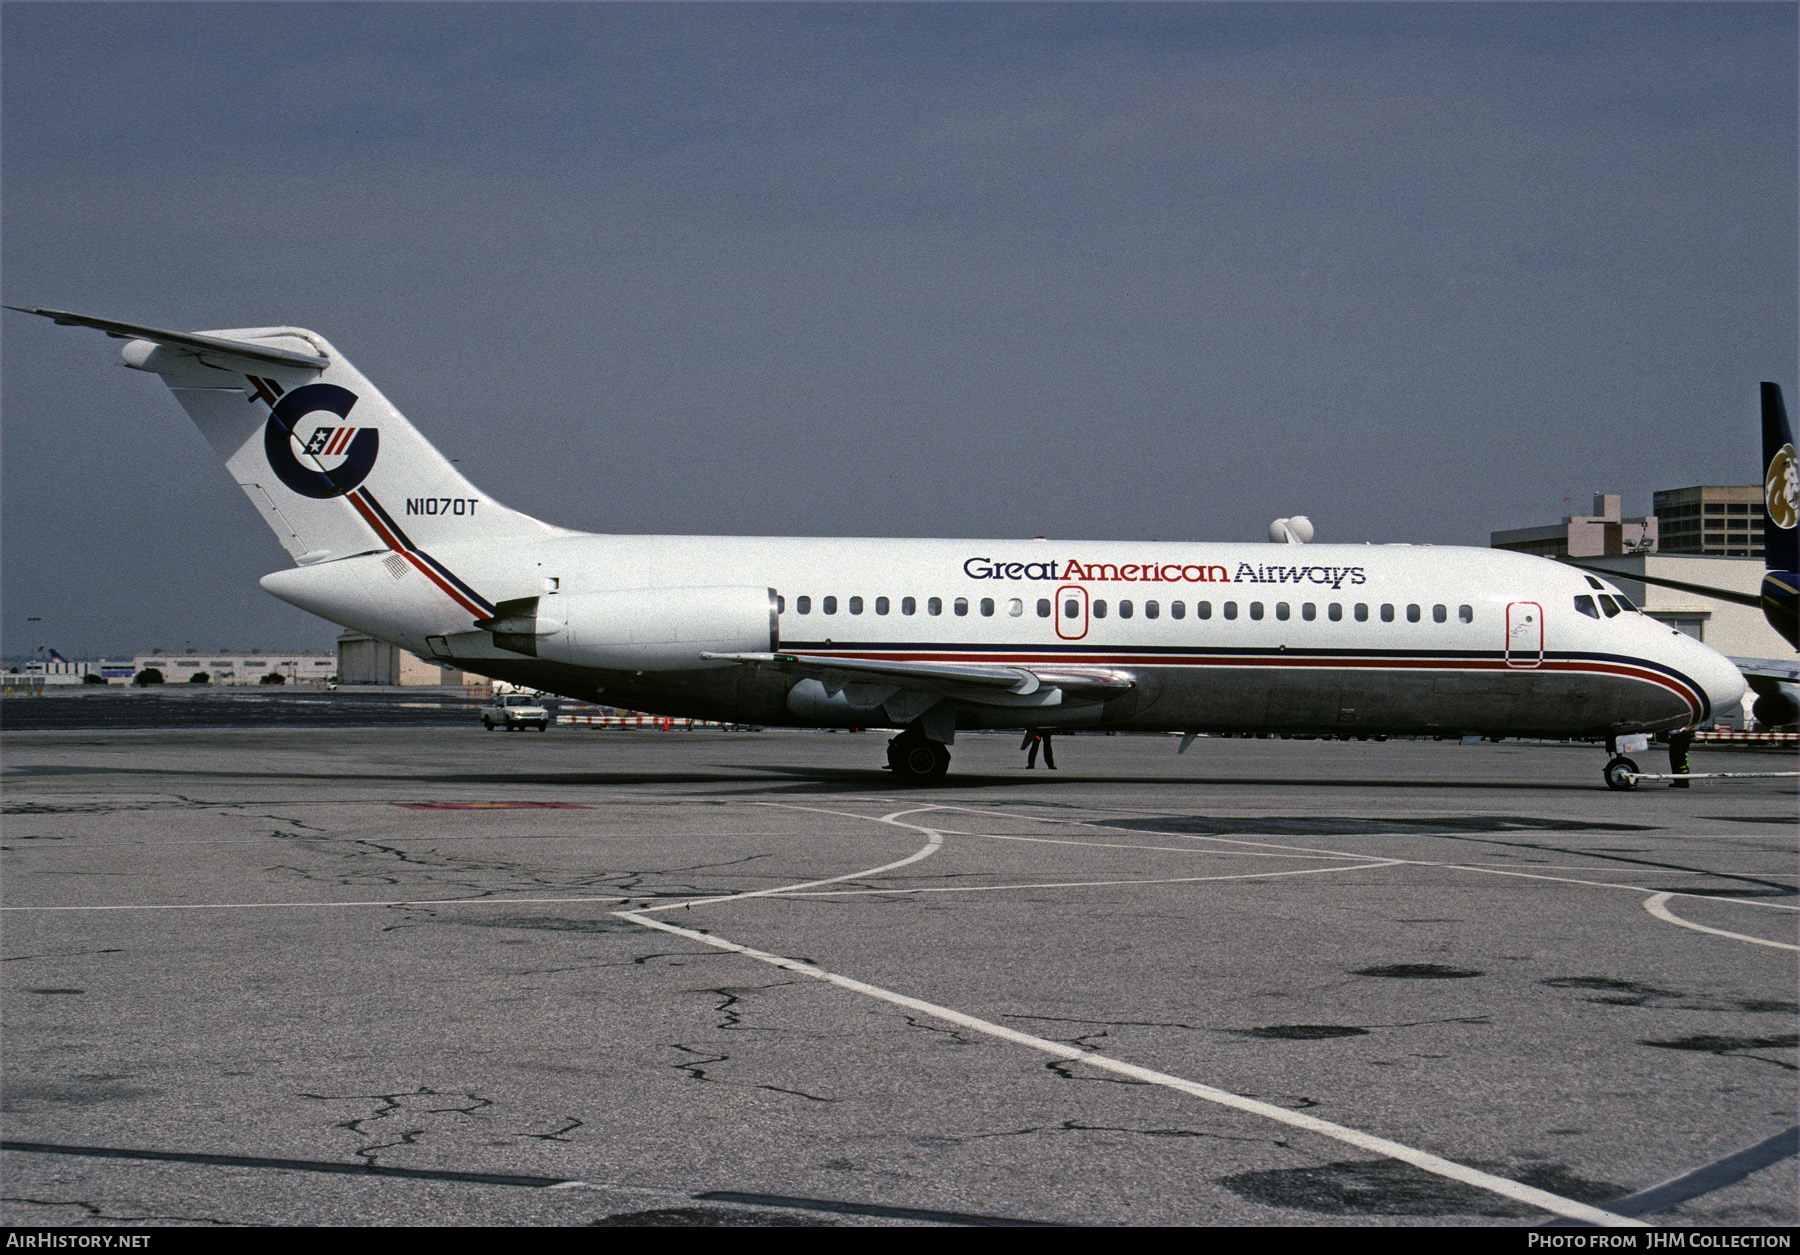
(247, 953)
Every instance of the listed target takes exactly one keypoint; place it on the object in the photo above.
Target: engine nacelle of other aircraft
(639, 629)
(1775, 709)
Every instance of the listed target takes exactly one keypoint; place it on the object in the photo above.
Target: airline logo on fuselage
(1072, 571)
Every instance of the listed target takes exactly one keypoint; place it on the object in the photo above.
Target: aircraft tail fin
(1781, 484)
(331, 465)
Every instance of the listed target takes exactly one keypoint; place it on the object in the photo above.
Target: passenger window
(1151, 609)
(1256, 610)
(1466, 613)
(1362, 612)
(1609, 605)
(987, 607)
(1203, 609)
(1439, 615)
(1387, 612)
(1281, 611)
(1585, 605)
(1071, 609)
(780, 604)
(1334, 612)
(856, 605)
(1099, 609)
(961, 606)
(1412, 613)
(829, 605)
(1177, 610)
(803, 605)
(935, 606)
(881, 605)
(1015, 607)
(1124, 609)
(1308, 611)
(1043, 607)
(909, 605)
(1231, 610)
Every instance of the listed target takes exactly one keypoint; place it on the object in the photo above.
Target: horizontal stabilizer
(183, 340)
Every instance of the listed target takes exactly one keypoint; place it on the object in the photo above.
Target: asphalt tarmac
(414, 975)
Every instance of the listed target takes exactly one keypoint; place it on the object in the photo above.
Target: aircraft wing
(182, 340)
(1767, 674)
(988, 683)
(1706, 590)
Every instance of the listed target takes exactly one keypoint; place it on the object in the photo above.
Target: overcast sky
(1116, 271)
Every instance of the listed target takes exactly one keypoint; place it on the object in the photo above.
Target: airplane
(925, 637)
(1771, 679)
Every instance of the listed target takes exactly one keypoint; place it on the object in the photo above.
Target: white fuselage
(1323, 639)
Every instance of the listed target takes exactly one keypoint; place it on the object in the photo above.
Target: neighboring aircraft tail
(1781, 484)
(329, 463)
(1781, 503)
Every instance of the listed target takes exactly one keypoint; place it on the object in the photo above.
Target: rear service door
(1071, 612)
(1524, 634)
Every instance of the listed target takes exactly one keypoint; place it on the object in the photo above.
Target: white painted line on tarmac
(259, 906)
(1164, 849)
(1657, 907)
(934, 841)
(1518, 1192)
(1414, 862)
(1086, 884)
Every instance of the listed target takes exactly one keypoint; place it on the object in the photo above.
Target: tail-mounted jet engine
(638, 629)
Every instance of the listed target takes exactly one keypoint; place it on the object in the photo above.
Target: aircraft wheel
(916, 760)
(1619, 772)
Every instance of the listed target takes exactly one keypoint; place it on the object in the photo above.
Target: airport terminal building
(224, 668)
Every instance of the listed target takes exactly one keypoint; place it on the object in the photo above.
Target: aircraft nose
(1723, 682)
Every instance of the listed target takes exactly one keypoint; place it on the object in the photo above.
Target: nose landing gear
(1621, 773)
(916, 759)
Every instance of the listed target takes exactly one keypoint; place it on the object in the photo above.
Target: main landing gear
(917, 759)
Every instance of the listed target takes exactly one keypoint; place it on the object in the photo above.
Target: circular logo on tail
(1781, 493)
(338, 456)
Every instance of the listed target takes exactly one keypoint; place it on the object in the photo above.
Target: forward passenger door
(1524, 634)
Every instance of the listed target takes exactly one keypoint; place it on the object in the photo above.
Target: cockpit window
(1594, 584)
(1625, 603)
(1609, 605)
(1585, 605)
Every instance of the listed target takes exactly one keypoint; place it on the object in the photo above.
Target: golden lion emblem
(1781, 491)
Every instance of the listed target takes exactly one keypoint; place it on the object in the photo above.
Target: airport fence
(656, 723)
